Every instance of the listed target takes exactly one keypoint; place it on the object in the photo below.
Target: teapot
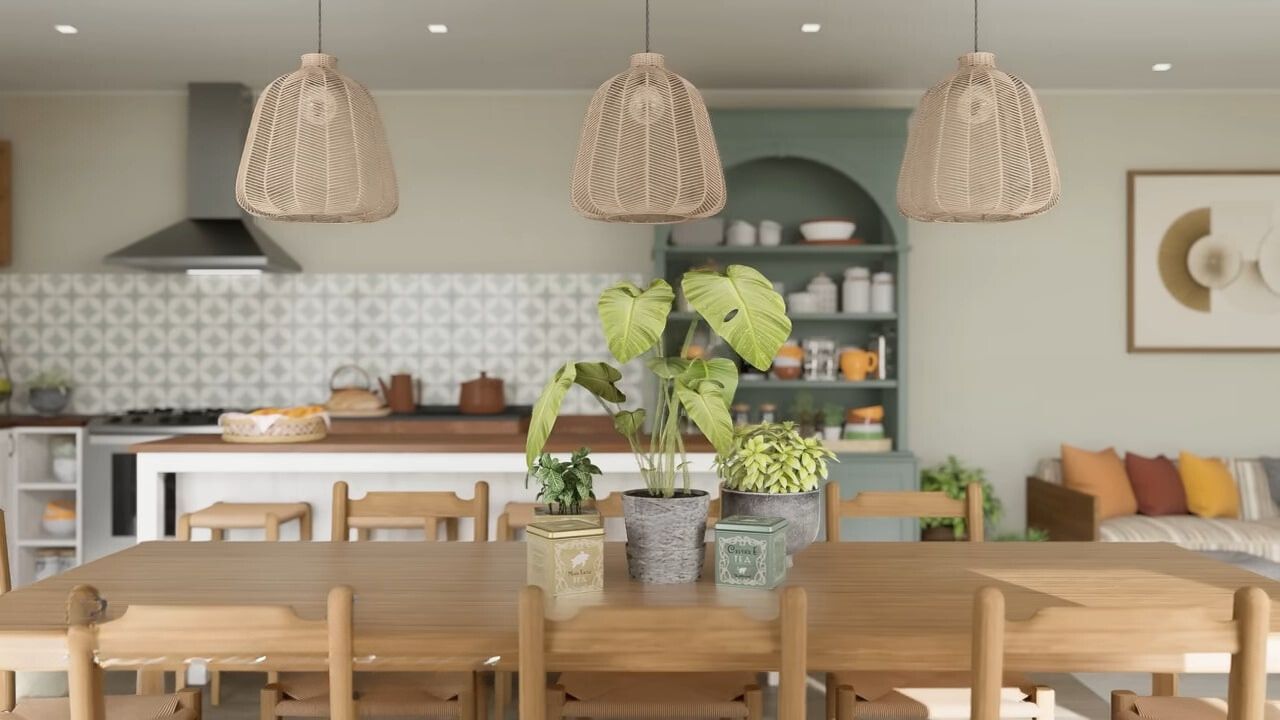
(399, 393)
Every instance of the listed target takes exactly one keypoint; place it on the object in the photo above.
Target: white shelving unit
(30, 486)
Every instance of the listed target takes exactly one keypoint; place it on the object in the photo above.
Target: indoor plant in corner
(773, 471)
(565, 485)
(666, 524)
(952, 477)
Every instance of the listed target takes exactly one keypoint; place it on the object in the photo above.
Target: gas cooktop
(163, 421)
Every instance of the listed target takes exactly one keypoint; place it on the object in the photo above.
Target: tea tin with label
(565, 555)
(751, 551)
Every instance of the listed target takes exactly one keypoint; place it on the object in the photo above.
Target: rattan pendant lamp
(316, 151)
(978, 149)
(647, 154)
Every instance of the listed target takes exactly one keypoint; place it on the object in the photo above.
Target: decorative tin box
(751, 551)
(565, 555)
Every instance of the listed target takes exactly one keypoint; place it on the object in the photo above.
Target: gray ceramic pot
(48, 401)
(803, 512)
(666, 537)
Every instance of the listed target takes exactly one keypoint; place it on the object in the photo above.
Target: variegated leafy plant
(739, 305)
(774, 458)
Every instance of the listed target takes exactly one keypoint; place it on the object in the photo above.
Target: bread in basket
(276, 425)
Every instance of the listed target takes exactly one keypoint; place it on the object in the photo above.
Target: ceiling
(577, 44)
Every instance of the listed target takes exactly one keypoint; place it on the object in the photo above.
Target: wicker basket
(242, 429)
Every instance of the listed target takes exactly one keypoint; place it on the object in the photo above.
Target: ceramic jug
(856, 364)
(399, 393)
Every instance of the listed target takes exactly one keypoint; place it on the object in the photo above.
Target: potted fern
(565, 485)
(666, 519)
(952, 477)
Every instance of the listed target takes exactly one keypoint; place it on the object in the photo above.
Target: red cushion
(1156, 484)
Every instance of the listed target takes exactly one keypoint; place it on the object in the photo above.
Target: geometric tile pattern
(171, 340)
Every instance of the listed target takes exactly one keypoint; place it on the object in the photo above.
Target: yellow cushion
(1211, 491)
(1102, 475)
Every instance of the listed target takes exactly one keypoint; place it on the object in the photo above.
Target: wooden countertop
(599, 442)
(12, 421)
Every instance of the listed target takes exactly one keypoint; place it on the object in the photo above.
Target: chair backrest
(1122, 638)
(655, 638)
(7, 688)
(904, 504)
(515, 516)
(408, 510)
(166, 636)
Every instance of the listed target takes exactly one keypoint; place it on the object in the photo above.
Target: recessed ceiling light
(810, 27)
(1162, 67)
(67, 29)
(437, 29)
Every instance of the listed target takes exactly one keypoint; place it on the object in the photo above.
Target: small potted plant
(565, 486)
(832, 422)
(952, 477)
(49, 392)
(773, 471)
(804, 414)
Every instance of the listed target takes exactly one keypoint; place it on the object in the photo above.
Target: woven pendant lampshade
(647, 153)
(978, 150)
(316, 150)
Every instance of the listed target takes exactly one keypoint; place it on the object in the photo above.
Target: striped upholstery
(942, 704)
(1185, 708)
(119, 707)
(383, 694)
(1256, 502)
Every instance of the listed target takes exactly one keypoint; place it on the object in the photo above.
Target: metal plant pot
(48, 401)
(666, 537)
(803, 512)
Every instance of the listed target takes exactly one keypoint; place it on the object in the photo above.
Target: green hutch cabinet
(794, 165)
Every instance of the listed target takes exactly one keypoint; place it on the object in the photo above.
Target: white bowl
(827, 230)
(59, 528)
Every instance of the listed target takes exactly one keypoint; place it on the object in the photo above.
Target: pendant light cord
(646, 25)
(319, 26)
(975, 25)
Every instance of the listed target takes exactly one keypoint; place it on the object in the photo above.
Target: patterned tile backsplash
(158, 340)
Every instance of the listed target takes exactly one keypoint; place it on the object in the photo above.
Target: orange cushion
(1102, 475)
(1211, 491)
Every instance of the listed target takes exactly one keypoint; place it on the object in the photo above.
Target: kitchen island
(208, 470)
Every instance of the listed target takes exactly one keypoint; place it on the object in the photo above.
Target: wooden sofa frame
(1063, 513)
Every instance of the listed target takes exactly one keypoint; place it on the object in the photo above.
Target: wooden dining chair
(408, 510)
(647, 642)
(515, 516)
(220, 517)
(905, 504)
(169, 635)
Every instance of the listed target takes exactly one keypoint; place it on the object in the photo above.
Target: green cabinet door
(880, 471)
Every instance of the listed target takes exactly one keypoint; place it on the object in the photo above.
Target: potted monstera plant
(666, 519)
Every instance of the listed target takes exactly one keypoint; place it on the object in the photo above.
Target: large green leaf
(742, 307)
(667, 368)
(721, 370)
(633, 319)
(543, 418)
(599, 378)
(703, 400)
(629, 422)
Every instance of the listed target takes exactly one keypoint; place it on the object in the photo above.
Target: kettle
(482, 396)
(399, 393)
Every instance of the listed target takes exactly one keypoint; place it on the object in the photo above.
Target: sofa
(1067, 514)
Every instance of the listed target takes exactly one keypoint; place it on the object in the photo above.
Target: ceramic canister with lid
(565, 556)
(824, 292)
(857, 290)
(751, 551)
(882, 292)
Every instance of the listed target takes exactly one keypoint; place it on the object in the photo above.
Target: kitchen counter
(444, 442)
(12, 421)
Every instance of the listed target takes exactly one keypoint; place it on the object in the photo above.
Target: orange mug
(856, 364)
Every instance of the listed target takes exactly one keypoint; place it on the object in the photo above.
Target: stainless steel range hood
(217, 237)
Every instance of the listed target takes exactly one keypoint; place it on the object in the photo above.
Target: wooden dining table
(452, 606)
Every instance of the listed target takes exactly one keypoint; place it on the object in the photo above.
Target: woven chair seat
(941, 704)
(234, 516)
(1185, 708)
(431, 695)
(655, 695)
(119, 707)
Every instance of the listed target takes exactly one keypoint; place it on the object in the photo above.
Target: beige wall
(1017, 331)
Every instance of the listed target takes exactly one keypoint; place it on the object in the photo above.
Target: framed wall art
(1204, 261)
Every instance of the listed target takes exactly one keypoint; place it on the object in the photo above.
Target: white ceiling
(576, 44)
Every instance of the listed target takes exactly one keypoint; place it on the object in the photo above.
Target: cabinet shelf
(48, 485)
(47, 542)
(818, 384)
(812, 317)
(794, 250)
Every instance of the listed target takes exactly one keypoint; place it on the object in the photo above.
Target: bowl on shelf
(59, 518)
(827, 229)
(699, 233)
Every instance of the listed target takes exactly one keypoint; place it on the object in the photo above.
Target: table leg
(1164, 684)
(150, 522)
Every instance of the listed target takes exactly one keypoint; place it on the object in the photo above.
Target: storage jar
(751, 551)
(565, 556)
(856, 291)
(882, 292)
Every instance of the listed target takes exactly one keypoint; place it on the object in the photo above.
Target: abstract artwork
(1204, 261)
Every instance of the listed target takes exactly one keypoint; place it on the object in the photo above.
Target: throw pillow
(1211, 491)
(1100, 474)
(1271, 466)
(1156, 485)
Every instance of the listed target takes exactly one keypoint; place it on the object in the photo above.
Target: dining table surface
(453, 606)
